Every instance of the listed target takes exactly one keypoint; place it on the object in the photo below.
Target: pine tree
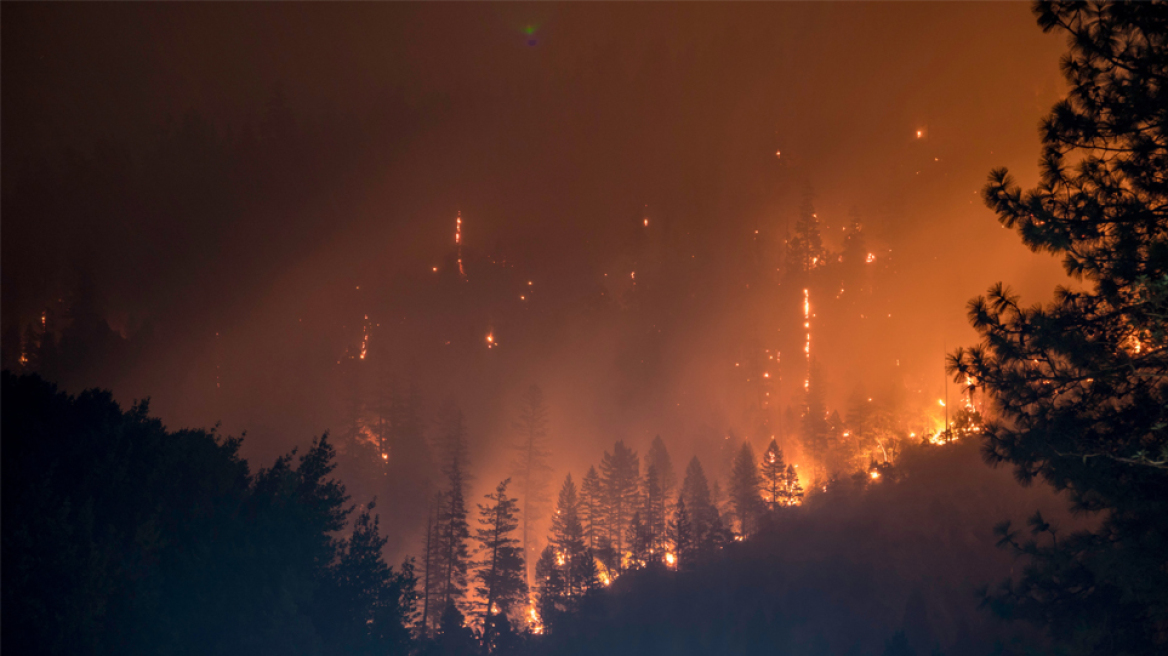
(568, 538)
(744, 489)
(453, 557)
(805, 250)
(620, 479)
(550, 586)
(451, 554)
(1080, 385)
(592, 508)
(658, 458)
(792, 494)
(529, 467)
(500, 572)
(653, 514)
(683, 537)
(773, 472)
(704, 518)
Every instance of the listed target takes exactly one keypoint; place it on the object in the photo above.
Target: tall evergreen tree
(568, 539)
(773, 475)
(451, 558)
(1080, 385)
(658, 458)
(529, 467)
(653, 514)
(592, 508)
(682, 534)
(704, 519)
(620, 478)
(792, 494)
(500, 572)
(744, 489)
(805, 250)
(552, 593)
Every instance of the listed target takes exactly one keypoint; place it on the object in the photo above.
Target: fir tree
(744, 489)
(529, 467)
(550, 586)
(703, 517)
(805, 250)
(620, 478)
(1080, 385)
(653, 514)
(792, 494)
(592, 508)
(682, 534)
(773, 472)
(658, 458)
(568, 538)
(500, 572)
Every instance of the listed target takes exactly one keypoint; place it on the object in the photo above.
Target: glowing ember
(871, 258)
(458, 242)
(875, 475)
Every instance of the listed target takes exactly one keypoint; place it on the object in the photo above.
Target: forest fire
(259, 246)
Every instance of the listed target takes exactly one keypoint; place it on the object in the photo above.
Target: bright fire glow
(670, 559)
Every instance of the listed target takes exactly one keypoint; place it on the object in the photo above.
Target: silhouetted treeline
(121, 537)
(872, 566)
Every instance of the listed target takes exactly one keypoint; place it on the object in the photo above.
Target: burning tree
(773, 474)
(572, 556)
(1080, 385)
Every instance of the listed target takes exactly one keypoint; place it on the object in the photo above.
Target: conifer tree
(550, 586)
(658, 458)
(805, 250)
(704, 518)
(773, 472)
(744, 489)
(792, 494)
(682, 534)
(568, 539)
(653, 514)
(529, 467)
(1080, 385)
(451, 553)
(592, 508)
(620, 478)
(500, 572)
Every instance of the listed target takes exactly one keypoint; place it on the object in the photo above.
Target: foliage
(1080, 385)
(122, 537)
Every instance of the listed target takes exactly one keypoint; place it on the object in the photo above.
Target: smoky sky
(556, 131)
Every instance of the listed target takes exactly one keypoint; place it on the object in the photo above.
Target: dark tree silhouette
(744, 489)
(592, 508)
(500, 573)
(1080, 385)
(122, 537)
(773, 475)
(620, 473)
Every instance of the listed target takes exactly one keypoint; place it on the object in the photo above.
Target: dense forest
(827, 528)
